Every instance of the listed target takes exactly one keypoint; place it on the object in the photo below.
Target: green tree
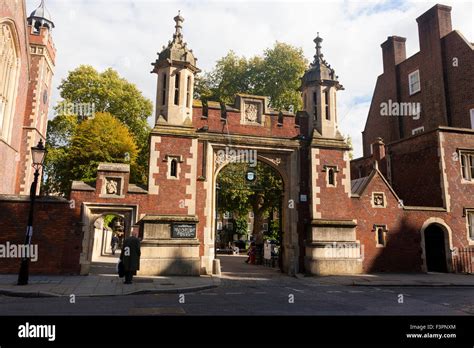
(238, 196)
(107, 92)
(102, 138)
(284, 65)
(276, 74)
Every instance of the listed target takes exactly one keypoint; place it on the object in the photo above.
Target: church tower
(319, 87)
(175, 67)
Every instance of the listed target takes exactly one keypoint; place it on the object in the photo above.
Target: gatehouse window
(331, 172)
(173, 166)
(380, 235)
(315, 103)
(176, 89)
(467, 166)
(331, 180)
(326, 100)
(163, 90)
(9, 76)
(188, 92)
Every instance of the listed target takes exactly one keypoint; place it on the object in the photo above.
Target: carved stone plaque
(112, 186)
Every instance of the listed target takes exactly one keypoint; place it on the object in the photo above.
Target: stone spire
(177, 50)
(320, 70)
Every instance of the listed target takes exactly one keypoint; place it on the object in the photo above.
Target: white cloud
(126, 35)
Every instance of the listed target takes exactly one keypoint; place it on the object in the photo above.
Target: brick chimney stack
(378, 149)
(393, 52)
(433, 25)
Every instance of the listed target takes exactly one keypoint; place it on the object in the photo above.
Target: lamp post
(38, 153)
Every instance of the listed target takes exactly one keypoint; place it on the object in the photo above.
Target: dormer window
(414, 82)
(176, 89)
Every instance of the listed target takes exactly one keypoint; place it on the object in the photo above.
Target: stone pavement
(102, 285)
(402, 280)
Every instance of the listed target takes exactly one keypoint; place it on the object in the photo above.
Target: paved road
(252, 290)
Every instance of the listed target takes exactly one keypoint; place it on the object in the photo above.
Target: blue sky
(126, 35)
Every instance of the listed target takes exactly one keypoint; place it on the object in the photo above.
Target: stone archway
(90, 214)
(283, 161)
(436, 245)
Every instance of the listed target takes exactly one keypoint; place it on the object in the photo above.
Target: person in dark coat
(130, 256)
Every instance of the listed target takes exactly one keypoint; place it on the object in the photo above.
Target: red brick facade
(36, 55)
(445, 64)
(381, 206)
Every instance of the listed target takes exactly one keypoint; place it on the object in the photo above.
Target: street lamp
(37, 153)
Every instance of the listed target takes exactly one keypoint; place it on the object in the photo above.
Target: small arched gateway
(436, 244)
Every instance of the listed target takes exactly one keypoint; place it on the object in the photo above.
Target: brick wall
(54, 231)
(415, 170)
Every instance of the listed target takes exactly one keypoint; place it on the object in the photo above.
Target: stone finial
(318, 41)
(179, 24)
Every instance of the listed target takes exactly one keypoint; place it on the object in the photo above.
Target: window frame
(472, 118)
(169, 159)
(418, 130)
(334, 169)
(384, 229)
(412, 91)
(163, 90)
(466, 166)
(177, 82)
(10, 74)
(470, 225)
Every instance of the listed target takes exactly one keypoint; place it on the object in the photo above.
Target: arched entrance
(284, 161)
(249, 215)
(106, 227)
(96, 249)
(436, 248)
